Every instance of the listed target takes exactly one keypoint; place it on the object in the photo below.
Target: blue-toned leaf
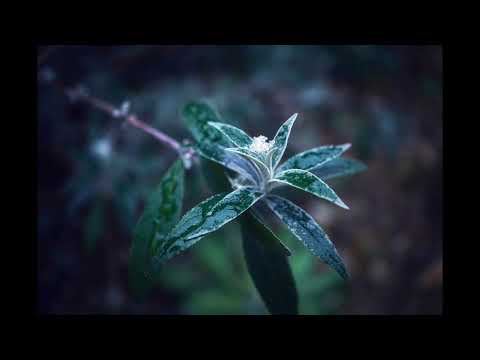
(257, 158)
(268, 267)
(197, 115)
(211, 142)
(237, 136)
(161, 213)
(228, 159)
(281, 140)
(309, 182)
(306, 229)
(206, 217)
(339, 167)
(258, 213)
(313, 158)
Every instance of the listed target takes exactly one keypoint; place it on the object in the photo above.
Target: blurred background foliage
(94, 173)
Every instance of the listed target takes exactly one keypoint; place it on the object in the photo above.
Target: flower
(260, 144)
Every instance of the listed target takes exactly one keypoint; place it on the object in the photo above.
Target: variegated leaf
(161, 213)
(207, 217)
(313, 158)
(339, 167)
(259, 159)
(306, 229)
(237, 136)
(311, 183)
(211, 142)
(197, 115)
(230, 160)
(281, 140)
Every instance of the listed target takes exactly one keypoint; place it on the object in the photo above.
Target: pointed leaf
(311, 183)
(281, 140)
(237, 136)
(339, 167)
(306, 229)
(257, 158)
(313, 158)
(268, 267)
(208, 216)
(197, 115)
(211, 141)
(228, 159)
(162, 211)
(258, 213)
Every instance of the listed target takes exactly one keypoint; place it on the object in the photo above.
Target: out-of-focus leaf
(339, 167)
(206, 217)
(313, 158)
(237, 136)
(323, 294)
(281, 140)
(311, 183)
(325, 283)
(213, 256)
(302, 265)
(306, 229)
(197, 115)
(214, 302)
(161, 213)
(269, 268)
(94, 225)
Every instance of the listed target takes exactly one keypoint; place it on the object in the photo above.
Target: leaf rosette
(254, 169)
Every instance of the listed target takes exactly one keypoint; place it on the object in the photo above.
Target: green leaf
(306, 229)
(213, 302)
(257, 158)
(311, 183)
(281, 140)
(206, 217)
(161, 213)
(211, 142)
(237, 136)
(214, 176)
(197, 115)
(339, 167)
(269, 268)
(229, 160)
(259, 216)
(314, 158)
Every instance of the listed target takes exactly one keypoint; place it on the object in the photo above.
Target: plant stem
(80, 94)
(132, 120)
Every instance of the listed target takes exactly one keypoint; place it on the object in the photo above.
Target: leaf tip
(345, 274)
(293, 117)
(340, 203)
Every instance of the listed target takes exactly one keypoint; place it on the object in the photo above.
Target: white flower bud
(260, 144)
